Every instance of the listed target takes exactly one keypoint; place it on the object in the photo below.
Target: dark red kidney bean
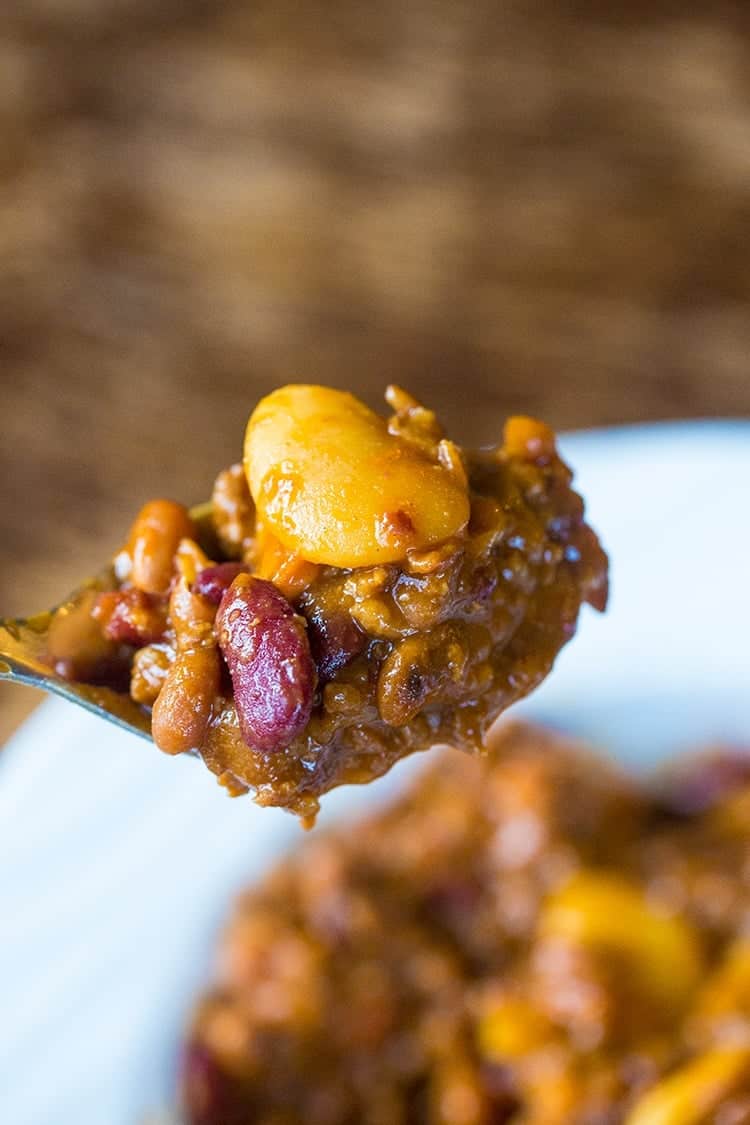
(697, 782)
(210, 1096)
(131, 617)
(335, 639)
(502, 1093)
(265, 645)
(214, 581)
(483, 584)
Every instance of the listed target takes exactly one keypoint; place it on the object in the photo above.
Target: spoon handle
(19, 657)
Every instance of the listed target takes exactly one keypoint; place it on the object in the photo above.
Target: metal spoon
(25, 659)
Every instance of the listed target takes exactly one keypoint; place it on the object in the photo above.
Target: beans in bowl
(527, 938)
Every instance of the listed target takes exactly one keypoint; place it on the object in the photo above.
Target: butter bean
(337, 488)
(691, 1094)
(607, 913)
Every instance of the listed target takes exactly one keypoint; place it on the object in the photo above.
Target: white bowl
(118, 863)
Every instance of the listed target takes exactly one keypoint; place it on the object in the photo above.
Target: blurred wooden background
(504, 206)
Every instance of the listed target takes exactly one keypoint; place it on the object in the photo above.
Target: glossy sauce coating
(389, 591)
(337, 488)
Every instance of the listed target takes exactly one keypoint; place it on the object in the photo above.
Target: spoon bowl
(25, 657)
(24, 660)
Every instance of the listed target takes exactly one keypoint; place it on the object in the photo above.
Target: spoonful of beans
(358, 587)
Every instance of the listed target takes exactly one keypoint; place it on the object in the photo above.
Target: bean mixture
(527, 938)
(358, 589)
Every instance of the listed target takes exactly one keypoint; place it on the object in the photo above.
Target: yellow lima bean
(691, 1094)
(724, 999)
(335, 487)
(608, 913)
(511, 1028)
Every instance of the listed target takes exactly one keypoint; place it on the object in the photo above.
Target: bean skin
(213, 581)
(335, 640)
(191, 616)
(337, 488)
(265, 645)
(182, 710)
(180, 716)
(77, 647)
(131, 617)
(154, 538)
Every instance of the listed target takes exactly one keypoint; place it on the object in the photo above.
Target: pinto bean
(182, 710)
(183, 707)
(77, 648)
(153, 542)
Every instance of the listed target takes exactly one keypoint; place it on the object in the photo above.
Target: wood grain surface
(504, 207)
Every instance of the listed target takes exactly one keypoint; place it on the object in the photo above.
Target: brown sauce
(527, 937)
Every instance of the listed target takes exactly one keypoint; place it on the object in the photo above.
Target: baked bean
(190, 560)
(265, 645)
(154, 538)
(76, 647)
(529, 439)
(382, 618)
(131, 617)
(183, 707)
(191, 616)
(437, 585)
(149, 671)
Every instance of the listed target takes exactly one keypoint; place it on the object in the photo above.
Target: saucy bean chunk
(369, 589)
(520, 938)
